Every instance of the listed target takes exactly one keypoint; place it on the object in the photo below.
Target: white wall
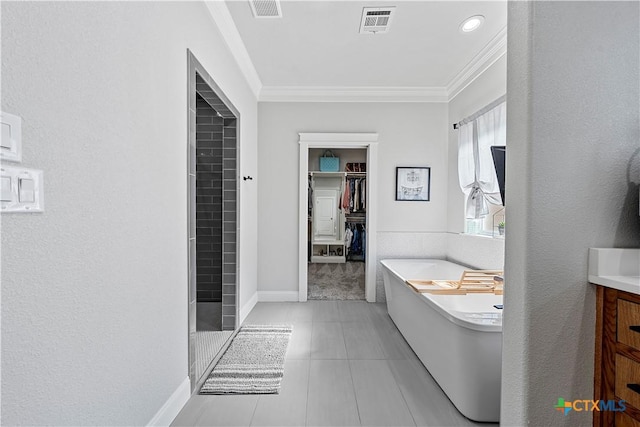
(410, 134)
(573, 129)
(94, 290)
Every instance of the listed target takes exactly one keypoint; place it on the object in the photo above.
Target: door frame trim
(369, 141)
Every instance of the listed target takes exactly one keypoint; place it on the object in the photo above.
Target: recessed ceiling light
(471, 24)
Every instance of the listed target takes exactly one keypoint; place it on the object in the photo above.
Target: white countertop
(615, 268)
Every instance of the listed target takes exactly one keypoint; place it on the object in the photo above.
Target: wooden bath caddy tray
(472, 281)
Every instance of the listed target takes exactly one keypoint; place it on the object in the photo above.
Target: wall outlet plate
(11, 140)
(22, 190)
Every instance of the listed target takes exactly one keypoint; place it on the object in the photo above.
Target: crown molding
(493, 51)
(352, 94)
(222, 17)
(344, 137)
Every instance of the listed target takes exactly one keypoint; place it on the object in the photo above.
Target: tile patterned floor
(347, 365)
(209, 337)
(208, 343)
(337, 281)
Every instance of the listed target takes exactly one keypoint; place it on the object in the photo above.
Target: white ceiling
(316, 44)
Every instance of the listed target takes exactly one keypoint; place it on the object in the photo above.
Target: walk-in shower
(213, 195)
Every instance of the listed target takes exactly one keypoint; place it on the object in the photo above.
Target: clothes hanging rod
(355, 220)
(480, 112)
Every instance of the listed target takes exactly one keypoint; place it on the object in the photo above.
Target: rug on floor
(340, 281)
(253, 363)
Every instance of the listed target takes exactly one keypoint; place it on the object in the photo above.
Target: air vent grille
(376, 19)
(266, 8)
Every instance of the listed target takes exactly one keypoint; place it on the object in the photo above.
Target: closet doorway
(338, 217)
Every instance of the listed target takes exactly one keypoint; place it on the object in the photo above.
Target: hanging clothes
(310, 195)
(352, 190)
(355, 241)
(356, 195)
(346, 197)
(348, 236)
(355, 244)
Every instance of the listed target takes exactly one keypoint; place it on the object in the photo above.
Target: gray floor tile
(331, 399)
(191, 412)
(393, 344)
(327, 341)
(301, 312)
(233, 410)
(362, 341)
(350, 311)
(380, 402)
(327, 380)
(259, 314)
(300, 343)
(325, 311)
(289, 407)
(269, 313)
(379, 309)
(428, 404)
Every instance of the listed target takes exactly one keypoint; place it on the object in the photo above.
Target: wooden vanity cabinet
(617, 356)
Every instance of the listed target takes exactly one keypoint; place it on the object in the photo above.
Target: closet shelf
(327, 174)
(327, 242)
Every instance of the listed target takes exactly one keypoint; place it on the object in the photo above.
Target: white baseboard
(278, 296)
(247, 307)
(173, 405)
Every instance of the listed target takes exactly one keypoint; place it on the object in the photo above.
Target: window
(476, 171)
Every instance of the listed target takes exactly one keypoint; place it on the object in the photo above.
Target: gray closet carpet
(336, 281)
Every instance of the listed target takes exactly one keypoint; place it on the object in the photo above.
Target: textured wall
(94, 290)
(476, 251)
(407, 245)
(573, 174)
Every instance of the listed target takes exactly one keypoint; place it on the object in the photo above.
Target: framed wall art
(413, 183)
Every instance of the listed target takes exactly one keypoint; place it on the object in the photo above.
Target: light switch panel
(22, 190)
(26, 190)
(11, 142)
(5, 142)
(6, 189)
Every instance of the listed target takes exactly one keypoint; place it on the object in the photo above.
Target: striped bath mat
(253, 363)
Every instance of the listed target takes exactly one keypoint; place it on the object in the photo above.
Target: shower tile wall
(209, 182)
(216, 194)
(229, 224)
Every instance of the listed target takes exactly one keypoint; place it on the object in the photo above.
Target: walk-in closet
(337, 224)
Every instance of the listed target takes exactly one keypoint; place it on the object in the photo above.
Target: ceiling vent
(376, 19)
(266, 8)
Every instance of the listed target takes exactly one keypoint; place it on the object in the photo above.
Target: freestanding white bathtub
(458, 338)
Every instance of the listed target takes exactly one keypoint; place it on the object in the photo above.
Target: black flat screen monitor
(499, 154)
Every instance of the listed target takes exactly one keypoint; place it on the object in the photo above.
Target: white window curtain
(476, 173)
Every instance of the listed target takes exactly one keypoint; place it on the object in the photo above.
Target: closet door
(325, 215)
